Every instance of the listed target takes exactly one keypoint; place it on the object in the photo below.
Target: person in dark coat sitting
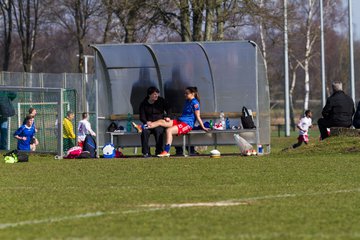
(337, 112)
(6, 110)
(153, 108)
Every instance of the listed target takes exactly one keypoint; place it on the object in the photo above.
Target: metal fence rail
(84, 84)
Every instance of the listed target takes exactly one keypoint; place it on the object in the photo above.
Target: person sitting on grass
(337, 112)
(25, 134)
(304, 124)
(182, 125)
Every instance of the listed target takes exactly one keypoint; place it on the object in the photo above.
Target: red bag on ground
(73, 152)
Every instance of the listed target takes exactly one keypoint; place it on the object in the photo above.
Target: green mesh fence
(47, 119)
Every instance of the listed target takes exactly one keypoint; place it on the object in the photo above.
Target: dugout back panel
(229, 75)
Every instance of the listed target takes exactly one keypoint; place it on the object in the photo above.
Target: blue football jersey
(27, 132)
(188, 114)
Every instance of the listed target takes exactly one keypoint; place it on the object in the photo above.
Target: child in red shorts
(183, 124)
(303, 126)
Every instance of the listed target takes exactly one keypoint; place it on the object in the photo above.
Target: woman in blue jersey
(183, 124)
(25, 134)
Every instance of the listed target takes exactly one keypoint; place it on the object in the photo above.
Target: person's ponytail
(194, 91)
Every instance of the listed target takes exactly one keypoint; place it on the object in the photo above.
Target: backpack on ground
(11, 157)
(108, 150)
(15, 156)
(73, 152)
(90, 146)
(84, 154)
(22, 157)
(247, 119)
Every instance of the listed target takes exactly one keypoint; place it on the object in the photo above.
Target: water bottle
(227, 122)
(211, 124)
(222, 120)
(128, 124)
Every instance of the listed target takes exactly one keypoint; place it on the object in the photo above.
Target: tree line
(53, 36)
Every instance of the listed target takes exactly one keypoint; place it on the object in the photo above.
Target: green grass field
(309, 193)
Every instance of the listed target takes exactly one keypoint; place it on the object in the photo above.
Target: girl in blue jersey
(34, 142)
(25, 134)
(183, 124)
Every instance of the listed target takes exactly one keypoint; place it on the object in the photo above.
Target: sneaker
(164, 154)
(137, 127)
(146, 155)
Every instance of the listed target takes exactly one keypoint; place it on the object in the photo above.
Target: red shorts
(183, 128)
(80, 144)
(303, 138)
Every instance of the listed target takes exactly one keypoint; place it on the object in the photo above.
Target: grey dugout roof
(228, 75)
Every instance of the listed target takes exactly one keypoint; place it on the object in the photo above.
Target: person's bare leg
(169, 134)
(160, 123)
(169, 137)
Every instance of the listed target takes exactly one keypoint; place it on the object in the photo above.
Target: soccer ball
(215, 153)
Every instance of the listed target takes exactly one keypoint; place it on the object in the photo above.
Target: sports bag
(22, 157)
(90, 146)
(15, 156)
(112, 127)
(84, 154)
(73, 152)
(108, 150)
(246, 119)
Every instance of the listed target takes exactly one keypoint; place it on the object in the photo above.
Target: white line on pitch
(244, 201)
(50, 220)
(157, 207)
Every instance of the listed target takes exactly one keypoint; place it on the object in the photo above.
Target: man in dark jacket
(337, 112)
(6, 110)
(152, 109)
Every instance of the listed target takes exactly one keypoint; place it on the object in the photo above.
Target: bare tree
(134, 20)
(310, 40)
(6, 9)
(27, 14)
(108, 12)
(76, 16)
(209, 19)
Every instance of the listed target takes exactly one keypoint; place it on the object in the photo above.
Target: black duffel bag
(246, 119)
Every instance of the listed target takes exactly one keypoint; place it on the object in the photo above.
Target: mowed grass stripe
(112, 191)
(158, 207)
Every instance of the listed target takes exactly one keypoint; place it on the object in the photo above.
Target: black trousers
(323, 124)
(159, 140)
(179, 150)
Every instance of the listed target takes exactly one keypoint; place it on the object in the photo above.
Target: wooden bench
(193, 138)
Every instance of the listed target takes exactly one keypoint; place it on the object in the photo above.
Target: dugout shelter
(228, 75)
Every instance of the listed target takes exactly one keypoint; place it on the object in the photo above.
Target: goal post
(23, 107)
(51, 105)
